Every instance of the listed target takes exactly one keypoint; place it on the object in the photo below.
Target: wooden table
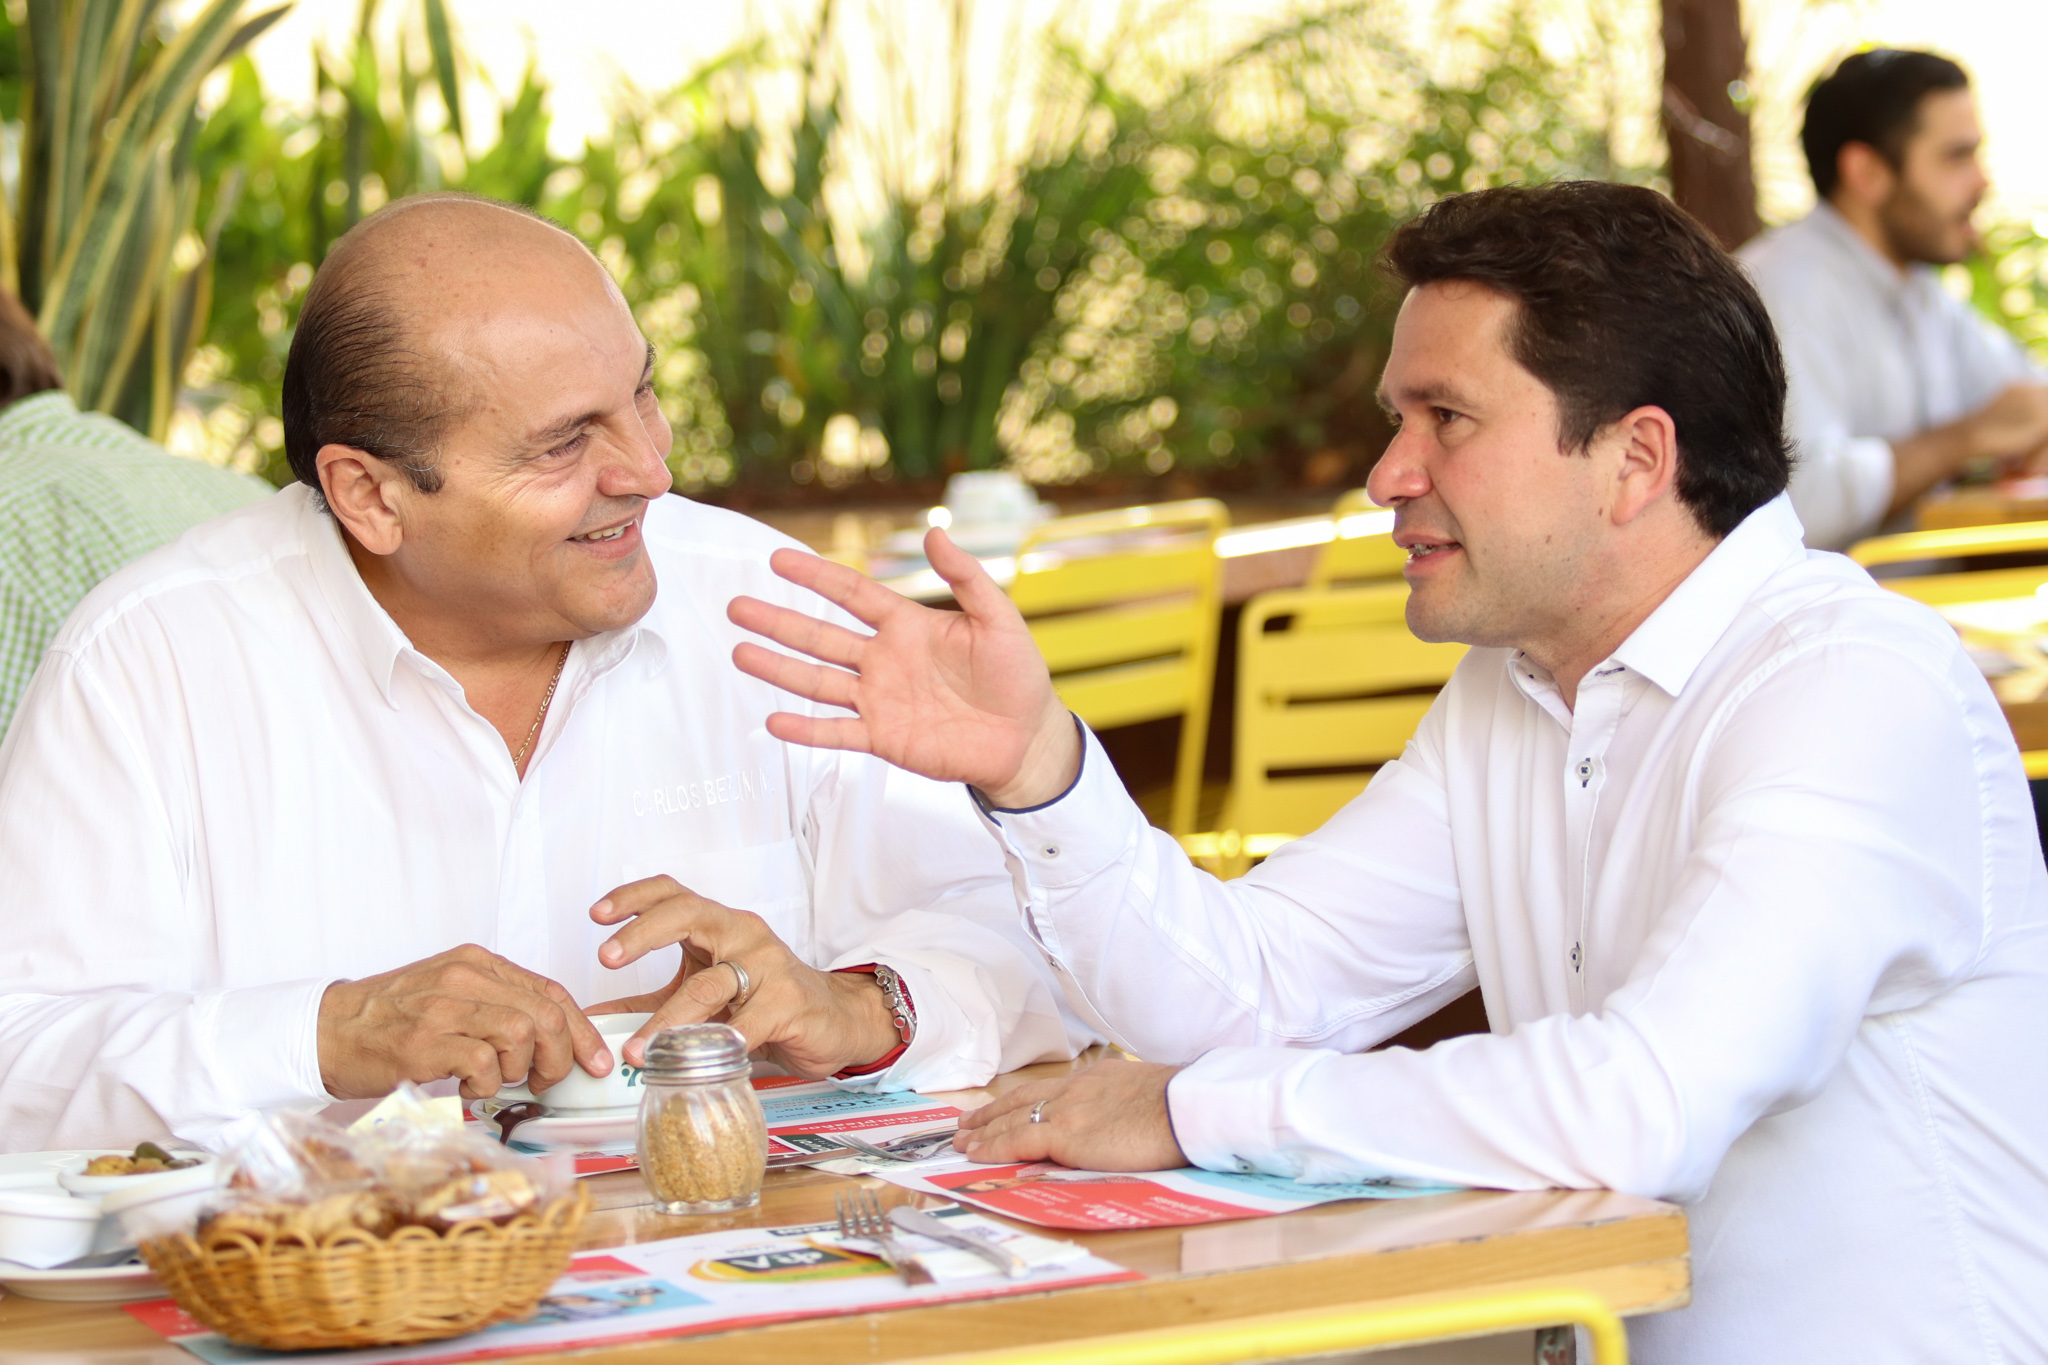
(1631, 1252)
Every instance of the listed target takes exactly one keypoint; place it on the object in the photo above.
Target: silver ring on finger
(1038, 1111)
(739, 974)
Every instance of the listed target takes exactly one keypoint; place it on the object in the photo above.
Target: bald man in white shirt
(393, 774)
(1895, 385)
(1735, 844)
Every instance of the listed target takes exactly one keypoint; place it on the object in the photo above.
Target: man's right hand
(2014, 424)
(466, 1013)
(2011, 427)
(956, 696)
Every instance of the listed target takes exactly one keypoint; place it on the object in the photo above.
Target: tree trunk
(1705, 59)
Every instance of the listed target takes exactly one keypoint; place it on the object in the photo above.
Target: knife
(967, 1239)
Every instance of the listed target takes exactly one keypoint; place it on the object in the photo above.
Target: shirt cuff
(1078, 833)
(263, 1050)
(1225, 1107)
(981, 799)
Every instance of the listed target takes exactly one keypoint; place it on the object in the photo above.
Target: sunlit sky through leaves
(584, 48)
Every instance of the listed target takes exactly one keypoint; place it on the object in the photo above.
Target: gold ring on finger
(746, 987)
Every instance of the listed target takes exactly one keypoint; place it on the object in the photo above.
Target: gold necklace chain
(546, 698)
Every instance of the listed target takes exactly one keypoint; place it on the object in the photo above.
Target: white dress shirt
(1761, 926)
(233, 781)
(1872, 355)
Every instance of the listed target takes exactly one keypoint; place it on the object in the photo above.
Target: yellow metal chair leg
(1321, 1331)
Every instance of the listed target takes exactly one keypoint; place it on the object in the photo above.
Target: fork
(903, 1150)
(860, 1215)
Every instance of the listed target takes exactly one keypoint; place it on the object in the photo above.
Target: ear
(1863, 175)
(367, 496)
(1646, 463)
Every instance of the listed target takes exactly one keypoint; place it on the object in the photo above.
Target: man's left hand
(809, 1022)
(1110, 1117)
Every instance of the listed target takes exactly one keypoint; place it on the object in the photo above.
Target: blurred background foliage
(1122, 269)
(99, 237)
(1169, 275)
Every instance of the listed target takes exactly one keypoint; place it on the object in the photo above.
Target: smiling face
(533, 534)
(1504, 529)
(1939, 183)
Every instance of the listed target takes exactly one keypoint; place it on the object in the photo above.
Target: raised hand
(957, 696)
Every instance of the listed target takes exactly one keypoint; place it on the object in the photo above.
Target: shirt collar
(380, 643)
(35, 408)
(1879, 274)
(1669, 646)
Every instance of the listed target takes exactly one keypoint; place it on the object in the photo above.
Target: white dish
(160, 1203)
(71, 1175)
(577, 1131)
(582, 1093)
(41, 1227)
(25, 1170)
(114, 1284)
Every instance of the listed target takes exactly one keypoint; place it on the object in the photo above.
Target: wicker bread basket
(353, 1288)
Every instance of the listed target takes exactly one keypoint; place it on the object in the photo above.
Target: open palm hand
(957, 696)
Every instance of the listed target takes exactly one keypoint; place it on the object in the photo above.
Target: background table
(1631, 1252)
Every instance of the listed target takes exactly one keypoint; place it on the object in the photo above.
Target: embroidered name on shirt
(711, 791)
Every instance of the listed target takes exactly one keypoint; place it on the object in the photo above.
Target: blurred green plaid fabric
(80, 495)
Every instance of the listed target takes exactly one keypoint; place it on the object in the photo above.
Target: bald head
(389, 350)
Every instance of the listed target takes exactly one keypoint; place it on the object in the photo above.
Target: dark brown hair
(26, 364)
(1873, 98)
(1625, 302)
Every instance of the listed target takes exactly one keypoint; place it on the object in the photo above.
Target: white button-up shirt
(234, 781)
(1761, 926)
(1872, 355)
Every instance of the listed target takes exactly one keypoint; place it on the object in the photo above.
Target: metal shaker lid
(697, 1052)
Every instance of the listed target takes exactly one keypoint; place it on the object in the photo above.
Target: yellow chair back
(1330, 684)
(1363, 550)
(1124, 605)
(1324, 1331)
(1949, 582)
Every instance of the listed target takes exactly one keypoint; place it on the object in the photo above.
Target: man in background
(80, 495)
(1895, 385)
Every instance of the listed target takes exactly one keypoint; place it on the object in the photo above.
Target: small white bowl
(40, 1230)
(160, 1203)
(72, 1176)
(579, 1092)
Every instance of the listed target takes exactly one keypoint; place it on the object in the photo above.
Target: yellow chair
(1124, 605)
(1952, 582)
(1363, 550)
(1228, 853)
(1330, 684)
(1321, 1331)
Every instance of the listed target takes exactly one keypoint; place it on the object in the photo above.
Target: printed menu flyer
(1054, 1196)
(712, 1282)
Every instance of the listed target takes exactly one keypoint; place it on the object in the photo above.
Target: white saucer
(114, 1284)
(569, 1130)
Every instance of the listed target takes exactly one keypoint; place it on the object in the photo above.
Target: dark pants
(2040, 786)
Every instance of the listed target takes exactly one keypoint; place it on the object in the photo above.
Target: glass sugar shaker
(703, 1137)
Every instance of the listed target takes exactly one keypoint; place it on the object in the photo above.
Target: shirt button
(1245, 1167)
(1051, 850)
(1585, 769)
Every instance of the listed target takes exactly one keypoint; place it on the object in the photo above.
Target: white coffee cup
(990, 495)
(579, 1091)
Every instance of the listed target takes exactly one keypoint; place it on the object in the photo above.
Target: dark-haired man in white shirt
(1735, 844)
